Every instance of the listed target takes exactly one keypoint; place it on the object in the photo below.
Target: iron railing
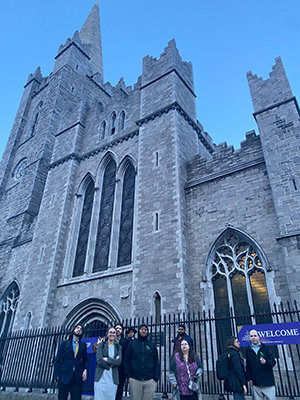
(26, 357)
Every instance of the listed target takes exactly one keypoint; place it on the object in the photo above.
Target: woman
(185, 366)
(109, 357)
(237, 382)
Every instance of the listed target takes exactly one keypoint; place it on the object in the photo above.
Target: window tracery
(9, 304)
(20, 168)
(105, 218)
(126, 224)
(83, 236)
(239, 283)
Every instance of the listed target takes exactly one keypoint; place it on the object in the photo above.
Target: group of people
(119, 358)
(257, 369)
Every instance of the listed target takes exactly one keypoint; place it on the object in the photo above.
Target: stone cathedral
(116, 203)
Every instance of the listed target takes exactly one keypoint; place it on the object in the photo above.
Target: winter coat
(141, 360)
(237, 376)
(260, 374)
(113, 363)
(174, 380)
(185, 337)
(65, 364)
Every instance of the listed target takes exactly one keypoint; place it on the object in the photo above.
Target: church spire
(91, 34)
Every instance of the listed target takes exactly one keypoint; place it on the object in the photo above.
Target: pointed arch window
(84, 230)
(127, 212)
(36, 119)
(102, 130)
(122, 120)
(157, 306)
(8, 303)
(113, 123)
(239, 284)
(27, 320)
(105, 218)
(34, 123)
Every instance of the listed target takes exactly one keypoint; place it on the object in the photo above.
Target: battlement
(74, 52)
(169, 60)
(75, 41)
(36, 76)
(225, 160)
(273, 90)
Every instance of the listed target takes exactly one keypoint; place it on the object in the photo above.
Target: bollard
(165, 395)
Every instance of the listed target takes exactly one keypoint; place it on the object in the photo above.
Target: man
(130, 333)
(181, 335)
(141, 366)
(124, 343)
(70, 366)
(259, 365)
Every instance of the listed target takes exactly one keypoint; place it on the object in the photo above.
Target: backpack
(223, 366)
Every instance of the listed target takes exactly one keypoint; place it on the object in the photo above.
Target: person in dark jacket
(182, 335)
(123, 342)
(70, 366)
(130, 332)
(237, 382)
(259, 369)
(141, 366)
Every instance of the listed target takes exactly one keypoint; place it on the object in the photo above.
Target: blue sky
(222, 38)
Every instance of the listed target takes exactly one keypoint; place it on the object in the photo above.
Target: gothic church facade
(116, 203)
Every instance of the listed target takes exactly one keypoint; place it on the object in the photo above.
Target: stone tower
(277, 114)
(169, 136)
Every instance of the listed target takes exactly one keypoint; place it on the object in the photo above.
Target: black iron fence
(26, 357)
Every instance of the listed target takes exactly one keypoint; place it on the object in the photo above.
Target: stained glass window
(8, 304)
(238, 277)
(105, 218)
(20, 170)
(83, 236)
(126, 225)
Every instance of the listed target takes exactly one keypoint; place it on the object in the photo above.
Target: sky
(224, 39)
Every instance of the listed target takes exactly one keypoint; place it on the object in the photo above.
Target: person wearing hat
(141, 366)
(130, 332)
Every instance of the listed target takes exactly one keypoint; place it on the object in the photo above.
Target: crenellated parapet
(269, 92)
(74, 52)
(167, 80)
(226, 161)
(169, 60)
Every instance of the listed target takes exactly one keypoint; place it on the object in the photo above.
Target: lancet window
(126, 225)
(83, 236)
(113, 123)
(122, 120)
(101, 256)
(102, 130)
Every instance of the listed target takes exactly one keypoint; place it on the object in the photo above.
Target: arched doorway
(95, 316)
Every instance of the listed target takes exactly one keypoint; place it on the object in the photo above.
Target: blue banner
(90, 343)
(272, 334)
